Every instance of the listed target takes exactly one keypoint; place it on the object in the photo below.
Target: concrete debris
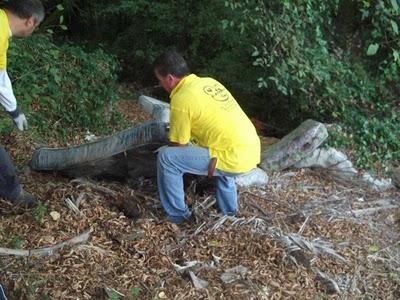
(158, 109)
(338, 164)
(256, 177)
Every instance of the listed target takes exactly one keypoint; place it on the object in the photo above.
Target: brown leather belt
(211, 166)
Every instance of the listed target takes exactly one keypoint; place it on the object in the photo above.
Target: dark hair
(171, 62)
(26, 9)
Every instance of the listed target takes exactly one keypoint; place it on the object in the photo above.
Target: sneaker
(24, 200)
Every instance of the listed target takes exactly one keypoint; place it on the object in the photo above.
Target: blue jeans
(172, 163)
(9, 185)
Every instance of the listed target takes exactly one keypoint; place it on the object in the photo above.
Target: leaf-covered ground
(302, 236)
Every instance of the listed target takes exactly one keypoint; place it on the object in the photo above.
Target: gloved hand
(21, 122)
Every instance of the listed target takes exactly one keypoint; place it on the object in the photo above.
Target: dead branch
(82, 238)
(370, 211)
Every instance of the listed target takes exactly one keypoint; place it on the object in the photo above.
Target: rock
(295, 146)
(55, 215)
(377, 184)
(328, 158)
(256, 177)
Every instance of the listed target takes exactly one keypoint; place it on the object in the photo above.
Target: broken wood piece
(233, 274)
(188, 265)
(82, 238)
(71, 205)
(96, 187)
(330, 285)
(370, 211)
(81, 197)
(304, 225)
(198, 283)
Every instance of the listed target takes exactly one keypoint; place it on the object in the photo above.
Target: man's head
(24, 16)
(169, 68)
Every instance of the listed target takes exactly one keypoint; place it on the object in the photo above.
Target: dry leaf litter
(302, 236)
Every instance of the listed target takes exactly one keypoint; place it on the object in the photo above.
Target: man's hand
(21, 122)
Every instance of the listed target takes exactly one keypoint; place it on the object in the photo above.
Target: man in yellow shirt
(18, 18)
(209, 134)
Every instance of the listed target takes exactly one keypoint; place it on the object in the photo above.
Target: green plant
(113, 296)
(134, 292)
(64, 87)
(16, 242)
(6, 124)
(40, 212)
(305, 72)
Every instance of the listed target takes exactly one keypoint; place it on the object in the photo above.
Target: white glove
(21, 122)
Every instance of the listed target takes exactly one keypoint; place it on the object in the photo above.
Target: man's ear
(30, 22)
(170, 78)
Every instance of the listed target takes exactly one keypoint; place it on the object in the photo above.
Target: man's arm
(7, 98)
(8, 101)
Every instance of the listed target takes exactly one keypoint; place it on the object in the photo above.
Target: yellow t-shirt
(204, 112)
(4, 36)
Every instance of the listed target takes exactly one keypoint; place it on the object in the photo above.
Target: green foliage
(6, 125)
(305, 73)
(376, 139)
(64, 87)
(383, 19)
(40, 212)
(16, 242)
(134, 293)
(137, 31)
(113, 296)
(285, 61)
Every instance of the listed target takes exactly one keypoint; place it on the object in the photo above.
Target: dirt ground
(301, 236)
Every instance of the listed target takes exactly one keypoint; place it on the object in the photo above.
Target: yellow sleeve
(4, 35)
(179, 126)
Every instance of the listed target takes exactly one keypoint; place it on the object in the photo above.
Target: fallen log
(129, 153)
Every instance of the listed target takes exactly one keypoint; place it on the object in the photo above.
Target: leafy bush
(63, 87)
(305, 73)
(137, 31)
(285, 61)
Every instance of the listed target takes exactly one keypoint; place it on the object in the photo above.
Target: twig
(71, 204)
(259, 208)
(304, 225)
(82, 238)
(369, 211)
(96, 187)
